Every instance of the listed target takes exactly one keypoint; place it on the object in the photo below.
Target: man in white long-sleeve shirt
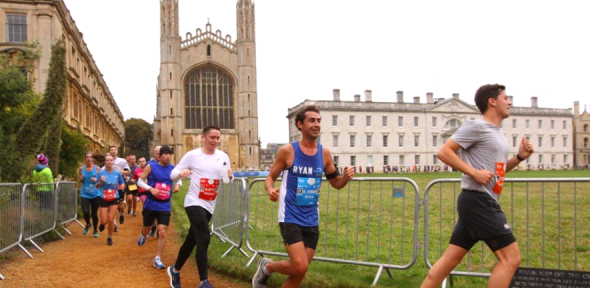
(205, 166)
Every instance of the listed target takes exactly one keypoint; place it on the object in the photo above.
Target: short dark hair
(209, 128)
(113, 146)
(300, 117)
(486, 92)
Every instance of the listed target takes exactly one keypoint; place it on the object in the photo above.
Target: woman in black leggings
(89, 194)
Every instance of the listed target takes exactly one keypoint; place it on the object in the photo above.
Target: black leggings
(198, 236)
(86, 205)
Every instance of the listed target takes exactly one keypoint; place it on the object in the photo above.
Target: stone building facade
(581, 137)
(208, 79)
(379, 134)
(89, 103)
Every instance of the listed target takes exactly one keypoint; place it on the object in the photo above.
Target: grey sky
(307, 48)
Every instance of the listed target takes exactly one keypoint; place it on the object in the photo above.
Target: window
(385, 140)
(552, 158)
(208, 99)
(401, 159)
(564, 158)
(540, 124)
(434, 159)
(552, 124)
(540, 141)
(334, 120)
(433, 121)
(336, 158)
(384, 121)
(401, 141)
(368, 120)
(353, 161)
(351, 120)
(335, 140)
(416, 159)
(540, 158)
(585, 127)
(527, 123)
(552, 141)
(564, 141)
(415, 121)
(400, 121)
(416, 140)
(514, 123)
(514, 141)
(434, 140)
(586, 142)
(452, 124)
(16, 28)
(385, 159)
(369, 139)
(370, 160)
(352, 138)
(564, 124)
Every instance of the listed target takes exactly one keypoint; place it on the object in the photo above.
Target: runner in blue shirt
(109, 184)
(90, 196)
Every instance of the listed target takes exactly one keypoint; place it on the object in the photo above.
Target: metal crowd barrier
(39, 211)
(67, 204)
(548, 217)
(370, 222)
(10, 216)
(230, 215)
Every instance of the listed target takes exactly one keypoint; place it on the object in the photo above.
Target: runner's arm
(448, 154)
(339, 181)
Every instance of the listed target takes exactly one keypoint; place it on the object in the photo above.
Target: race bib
(164, 191)
(499, 177)
(308, 191)
(208, 189)
(109, 194)
(132, 187)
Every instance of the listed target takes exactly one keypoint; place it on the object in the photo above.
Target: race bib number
(164, 191)
(308, 191)
(132, 187)
(109, 194)
(499, 177)
(208, 190)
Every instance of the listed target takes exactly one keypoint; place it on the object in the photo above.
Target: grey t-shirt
(483, 147)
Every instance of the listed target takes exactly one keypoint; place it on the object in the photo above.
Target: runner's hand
(526, 148)
(482, 176)
(273, 194)
(93, 179)
(81, 177)
(348, 172)
(103, 179)
(154, 191)
(176, 188)
(185, 173)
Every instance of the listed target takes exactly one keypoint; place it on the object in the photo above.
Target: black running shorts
(480, 218)
(149, 216)
(293, 233)
(121, 195)
(105, 204)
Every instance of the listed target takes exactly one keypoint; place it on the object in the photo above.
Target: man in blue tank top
(157, 204)
(302, 163)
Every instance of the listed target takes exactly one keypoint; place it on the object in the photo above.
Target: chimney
(336, 93)
(456, 96)
(510, 98)
(368, 96)
(417, 100)
(357, 98)
(577, 108)
(429, 98)
(400, 96)
(534, 102)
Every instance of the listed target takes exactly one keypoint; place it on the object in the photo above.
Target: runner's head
(308, 121)
(131, 160)
(89, 159)
(211, 138)
(141, 162)
(157, 153)
(109, 161)
(113, 150)
(165, 154)
(493, 96)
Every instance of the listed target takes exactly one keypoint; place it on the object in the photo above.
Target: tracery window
(208, 99)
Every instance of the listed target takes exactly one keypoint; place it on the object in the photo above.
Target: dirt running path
(84, 261)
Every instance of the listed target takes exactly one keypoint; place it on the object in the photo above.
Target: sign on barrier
(370, 222)
(228, 221)
(545, 278)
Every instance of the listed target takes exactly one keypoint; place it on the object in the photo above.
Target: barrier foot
(252, 259)
(62, 237)
(389, 273)
(36, 246)
(244, 252)
(81, 225)
(227, 252)
(1, 277)
(65, 229)
(26, 251)
(377, 276)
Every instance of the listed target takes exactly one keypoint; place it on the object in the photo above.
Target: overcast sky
(307, 48)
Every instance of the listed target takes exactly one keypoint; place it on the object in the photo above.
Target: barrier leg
(452, 280)
(1, 277)
(36, 246)
(252, 259)
(244, 252)
(227, 252)
(444, 284)
(65, 229)
(26, 251)
(62, 237)
(81, 225)
(378, 275)
(389, 273)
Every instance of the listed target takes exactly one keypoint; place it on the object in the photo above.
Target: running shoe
(174, 277)
(134, 215)
(110, 241)
(260, 279)
(153, 231)
(121, 219)
(95, 234)
(206, 284)
(158, 263)
(141, 240)
(128, 212)
(86, 229)
(101, 227)
(116, 228)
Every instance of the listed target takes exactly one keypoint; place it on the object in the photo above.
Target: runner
(302, 163)
(131, 187)
(157, 204)
(141, 193)
(110, 184)
(90, 196)
(484, 163)
(207, 166)
(120, 165)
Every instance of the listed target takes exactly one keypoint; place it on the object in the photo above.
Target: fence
(10, 216)
(230, 215)
(39, 211)
(67, 204)
(545, 215)
(370, 222)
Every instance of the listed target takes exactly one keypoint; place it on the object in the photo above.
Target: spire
(245, 20)
(169, 18)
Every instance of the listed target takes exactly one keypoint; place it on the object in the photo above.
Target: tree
(138, 134)
(32, 133)
(72, 151)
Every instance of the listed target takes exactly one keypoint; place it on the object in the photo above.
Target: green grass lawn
(373, 222)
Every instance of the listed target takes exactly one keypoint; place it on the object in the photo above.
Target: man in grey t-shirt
(484, 163)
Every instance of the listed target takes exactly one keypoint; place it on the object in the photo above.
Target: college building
(377, 135)
(89, 104)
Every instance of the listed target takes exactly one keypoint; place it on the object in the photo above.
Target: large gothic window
(208, 99)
